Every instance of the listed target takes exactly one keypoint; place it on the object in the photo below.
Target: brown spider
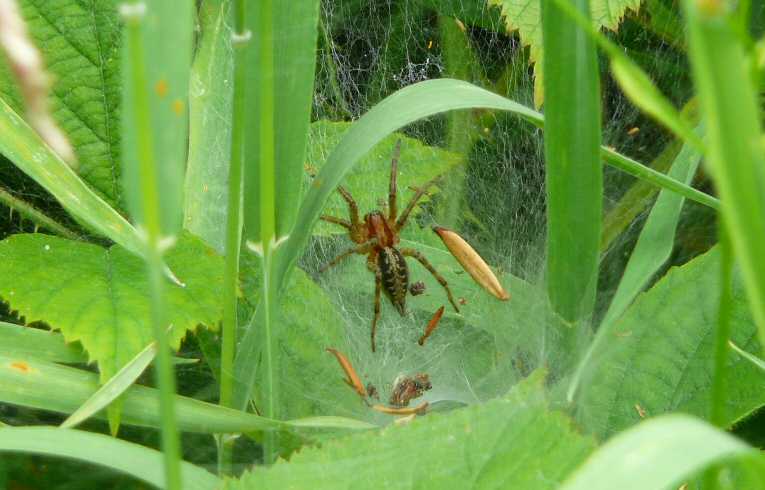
(377, 237)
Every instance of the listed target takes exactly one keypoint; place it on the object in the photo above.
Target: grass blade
(25, 149)
(210, 103)
(56, 388)
(749, 357)
(113, 388)
(126, 457)
(656, 454)
(730, 107)
(574, 175)
(24, 342)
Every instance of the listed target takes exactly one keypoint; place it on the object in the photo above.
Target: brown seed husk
(473, 264)
(419, 409)
(352, 379)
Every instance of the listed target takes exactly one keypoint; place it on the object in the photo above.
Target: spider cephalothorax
(377, 237)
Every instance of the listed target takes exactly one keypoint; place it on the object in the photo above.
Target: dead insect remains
(408, 388)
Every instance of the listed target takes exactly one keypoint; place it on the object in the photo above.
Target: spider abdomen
(395, 276)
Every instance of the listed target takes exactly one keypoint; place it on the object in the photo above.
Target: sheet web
(493, 195)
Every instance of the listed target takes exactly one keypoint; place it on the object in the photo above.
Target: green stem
(151, 221)
(267, 212)
(33, 214)
(233, 229)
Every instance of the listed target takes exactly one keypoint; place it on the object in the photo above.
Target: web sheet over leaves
(510, 442)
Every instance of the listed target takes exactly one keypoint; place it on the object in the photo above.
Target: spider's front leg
(401, 222)
(393, 190)
(411, 252)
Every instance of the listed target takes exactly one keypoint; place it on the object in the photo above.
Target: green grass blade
(126, 457)
(21, 144)
(749, 357)
(113, 388)
(730, 108)
(574, 175)
(655, 455)
(24, 342)
(656, 240)
(653, 249)
(56, 388)
(210, 104)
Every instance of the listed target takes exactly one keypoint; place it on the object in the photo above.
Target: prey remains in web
(377, 236)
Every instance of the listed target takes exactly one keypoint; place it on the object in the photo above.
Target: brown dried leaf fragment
(407, 388)
(469, 259)
(432, 324)
(352, 379)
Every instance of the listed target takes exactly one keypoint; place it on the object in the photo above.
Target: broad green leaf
(512, 442)
(62, 389)
(98, 295)
(657, 454)
(126, 457)
(728, 99)
(525, 16)
(113, 388)
(573, 173)
(210, 101)
(80, 44)
(26, 342)
(658, 357)
(368, 181)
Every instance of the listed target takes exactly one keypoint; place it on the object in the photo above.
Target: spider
(377, 236)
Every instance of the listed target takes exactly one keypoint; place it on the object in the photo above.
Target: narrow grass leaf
(117, 384)
(25, 342)
(749, 357)
(574, 174)
(210, 104)
(655, 455)
(26, 150)
(125, 457)
(56, 388)
(730, 107)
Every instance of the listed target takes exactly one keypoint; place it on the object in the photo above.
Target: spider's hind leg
(411, 252)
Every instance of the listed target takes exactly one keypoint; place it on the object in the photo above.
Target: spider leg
(378, 290)
(353, 208)
(393, 185)
(410, 252)
(401, 222)
(360, 249)
(337, 221)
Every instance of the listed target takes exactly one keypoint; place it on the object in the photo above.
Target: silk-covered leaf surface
(510, 442)
(659, 356)
(99, 296)
(525, 16)
(79, 41)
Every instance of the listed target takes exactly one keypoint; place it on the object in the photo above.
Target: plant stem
(233, 229)
(151, 221)
(267, 211)
(33, 214)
